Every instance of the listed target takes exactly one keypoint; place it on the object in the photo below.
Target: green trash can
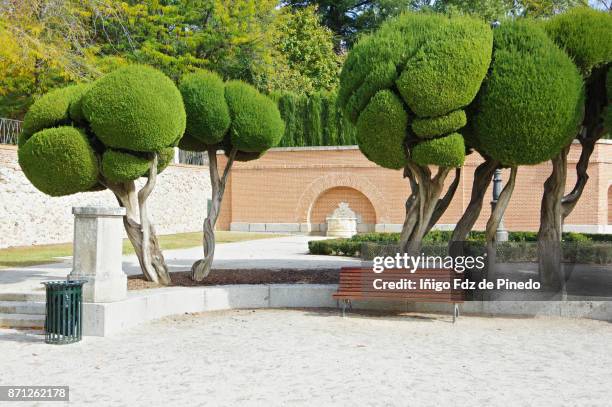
(64, 311)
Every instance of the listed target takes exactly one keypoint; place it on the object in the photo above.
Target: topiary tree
(527, 110)
(107, 135)
(233, 117)
(405, 88)
(586, 35)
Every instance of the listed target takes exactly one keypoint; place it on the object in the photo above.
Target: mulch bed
(252, 276)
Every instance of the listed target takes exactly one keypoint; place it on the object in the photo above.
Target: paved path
(316, 358)
(281, 252)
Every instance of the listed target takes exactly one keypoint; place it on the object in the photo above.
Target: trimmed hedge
(256, 122)
(585, 34)
(313, 120)
(119, 166)
(59, 161)
(51, 110)
(530, 104)
(448, 151)
(135, 108)
(438, 126)
(208, 116)
(521, 246)
(381, 130)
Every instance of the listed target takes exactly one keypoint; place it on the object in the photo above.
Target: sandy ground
(307, 357)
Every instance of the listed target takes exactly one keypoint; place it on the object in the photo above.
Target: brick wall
(291, 188)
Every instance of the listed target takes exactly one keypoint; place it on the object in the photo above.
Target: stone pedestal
(97, 253)
(342, 222)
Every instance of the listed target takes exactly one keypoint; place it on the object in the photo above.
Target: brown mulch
(253, 276)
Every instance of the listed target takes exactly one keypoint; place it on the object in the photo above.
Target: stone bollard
(97, 253)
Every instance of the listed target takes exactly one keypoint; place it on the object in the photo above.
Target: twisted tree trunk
(201, 268)
(139, 229)
(422, 207)
(500, 207)
(556, 207)
(482, 179)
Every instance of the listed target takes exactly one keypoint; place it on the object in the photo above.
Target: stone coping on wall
(107, 319)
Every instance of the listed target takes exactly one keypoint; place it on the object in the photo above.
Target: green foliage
(256, 122)
(438, 126)
(50, 110)
(448, 151)
(119, 166)
(444, 72)
(208, 117)
(531, 102)
(313, 120)
(189, 143)
(135, 108)
(303, 57)
(585, 34)
(608, 111)
(381, 130)
(59, 161)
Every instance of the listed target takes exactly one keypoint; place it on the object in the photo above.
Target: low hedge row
(521, 246)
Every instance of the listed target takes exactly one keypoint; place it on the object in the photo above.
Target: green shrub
(75, 111)
(59, 161)
(381, 130)
(585, 34)
(448, 151)
(445, 72)
(50, 110)
(135, 108)
(208, 117)
(256, 122)
(531, 102)
(438, 126)
(189, 143)
(119, 166)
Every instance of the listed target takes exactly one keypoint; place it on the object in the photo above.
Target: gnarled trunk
(556, 207)
(482, 179)
(202, 268)
(421, 209)
(500, 207)
(139, 229)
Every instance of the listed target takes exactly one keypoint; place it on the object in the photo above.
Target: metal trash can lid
(65, 283)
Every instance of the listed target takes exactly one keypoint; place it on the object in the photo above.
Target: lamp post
(501, 234)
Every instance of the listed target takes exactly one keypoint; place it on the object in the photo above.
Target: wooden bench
(358, 284)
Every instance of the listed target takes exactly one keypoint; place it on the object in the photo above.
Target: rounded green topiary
(59, 161)
(75, 111)
(433, 64)
(120, 166)
(440, 61)
(189, 143)
(448, 151)
(585, 34)
(381, 130)
(608, 112)
(135, 108)
(531, 102)
(256, 122)
(438, 126)
(208, 117)
(51, 110)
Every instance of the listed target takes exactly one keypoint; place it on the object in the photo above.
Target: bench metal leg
(455, 312)
(344, 304)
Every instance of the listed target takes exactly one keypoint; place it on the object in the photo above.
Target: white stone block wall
(27, 216)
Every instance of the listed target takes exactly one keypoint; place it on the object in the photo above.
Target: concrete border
(105, 319)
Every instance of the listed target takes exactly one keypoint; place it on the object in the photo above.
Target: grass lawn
(32, 255)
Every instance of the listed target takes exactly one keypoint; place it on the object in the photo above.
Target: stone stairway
(22, 310)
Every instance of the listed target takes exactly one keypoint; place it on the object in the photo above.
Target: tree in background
(233, 117)
(586, 35)
(107, 135)
(303, 58)
(348, 19)
(405, 88)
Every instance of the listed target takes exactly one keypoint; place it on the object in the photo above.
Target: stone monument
(98, 252)
(342, 222)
